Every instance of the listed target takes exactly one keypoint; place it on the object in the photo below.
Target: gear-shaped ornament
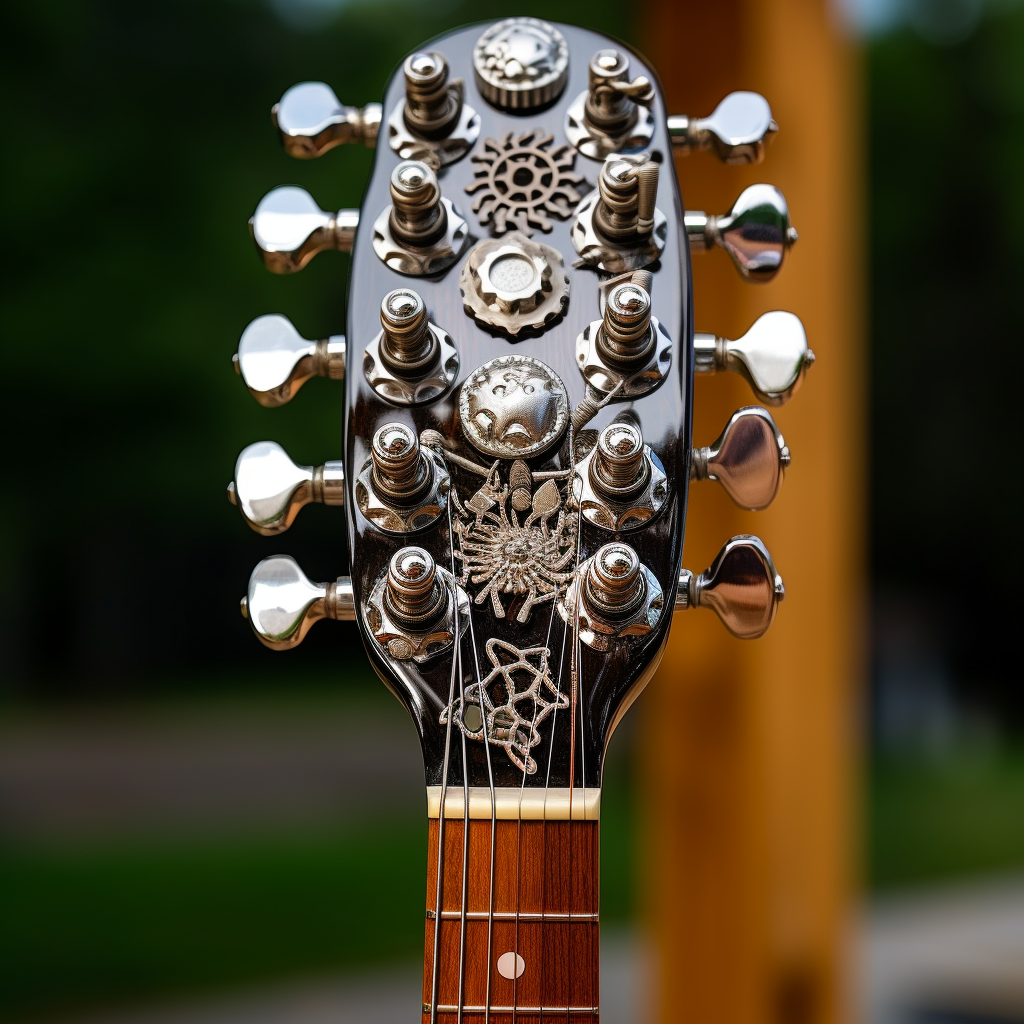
(521, 183)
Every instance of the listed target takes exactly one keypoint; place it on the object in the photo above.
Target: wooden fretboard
(545, 908)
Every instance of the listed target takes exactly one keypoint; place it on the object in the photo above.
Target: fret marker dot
(508, 961)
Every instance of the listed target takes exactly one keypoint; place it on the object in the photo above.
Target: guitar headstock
(519, 362)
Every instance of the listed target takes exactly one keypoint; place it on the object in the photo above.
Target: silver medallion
(521, 64)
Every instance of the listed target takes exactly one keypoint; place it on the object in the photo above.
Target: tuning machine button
(311, 120)
(613, 596)
(620, 484)
(269, 488)
(275, 361)
(618, 227)
(412, 360)
(613, 115)
(401, 487)
(412, 607)
(282, 604)
(756, 233)
(742, 586)
(628, 352)
(749, 459)
(737, 132)
(421, 232)
(433, 123)
(289, 229)
(772, 356)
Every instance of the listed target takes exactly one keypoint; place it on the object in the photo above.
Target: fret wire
(510, 915)
(520, 1009)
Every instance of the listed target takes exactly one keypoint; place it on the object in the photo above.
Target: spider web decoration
(521, 681)
(521, 182)
(506, 540)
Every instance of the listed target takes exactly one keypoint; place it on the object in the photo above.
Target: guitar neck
(506, 885)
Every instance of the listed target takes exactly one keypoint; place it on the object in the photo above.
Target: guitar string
(490, 786)
(438, 887)
(465, 854)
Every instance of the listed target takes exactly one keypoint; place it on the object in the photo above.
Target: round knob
(749, 459)
(269, 488)
(400, 472)
(615, 582)
(619, 467)
(275, 361)
(312, 120)
(413, 595)
(757, 234)
(521, 64)
(409, 345)
(741, 586)
(282, 604)
(737, 131)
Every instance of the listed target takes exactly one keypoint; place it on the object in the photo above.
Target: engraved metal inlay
(510, 703)
(514, 284)
(515, 540)
(521, 183)
(521, 63)
(513, 407)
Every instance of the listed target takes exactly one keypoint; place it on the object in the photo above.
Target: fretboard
(535, 909)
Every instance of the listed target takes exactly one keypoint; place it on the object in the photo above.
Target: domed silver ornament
(521, 64)
(513, 407)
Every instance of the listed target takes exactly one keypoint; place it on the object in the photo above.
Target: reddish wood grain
(548, 868)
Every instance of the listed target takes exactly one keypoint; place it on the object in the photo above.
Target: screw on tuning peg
(737, 132)
(281, 604)
(289, 229)
(756, 233)
(749, 459)
(270, 489)
(772, 356)
(312, 120)
(741, 586)
(275, 361)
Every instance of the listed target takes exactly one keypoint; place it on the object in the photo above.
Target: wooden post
(749, 748)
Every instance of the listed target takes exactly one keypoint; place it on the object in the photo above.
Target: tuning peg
(737, 132)
(289, 229)
(275, 361)
(282, 604)
(270, 489)
(741, 586)
(312, 120)
(756, 233)
(772, 356)
(749, 459)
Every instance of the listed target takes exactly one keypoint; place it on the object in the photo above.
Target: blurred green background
(140, 143)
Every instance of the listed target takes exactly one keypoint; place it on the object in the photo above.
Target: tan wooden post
(749, 748)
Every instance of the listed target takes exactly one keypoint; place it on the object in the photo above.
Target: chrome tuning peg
(756, 233)
(312, 120)
(270, 489)
(289, 229)
(749, 459)
(772, 356)
(737, 132)
(741, 586)
(275, 361)
(282, 604)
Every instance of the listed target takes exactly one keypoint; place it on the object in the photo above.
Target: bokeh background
(184, 816)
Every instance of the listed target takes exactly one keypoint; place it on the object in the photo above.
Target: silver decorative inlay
(510, 703)
(521, 182)
(521, 64)
(515, 540)
(513, 407)
(514, 284)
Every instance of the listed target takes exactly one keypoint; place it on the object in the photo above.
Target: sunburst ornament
(521, 183)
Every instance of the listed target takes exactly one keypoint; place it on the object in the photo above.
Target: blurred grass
(932, 820)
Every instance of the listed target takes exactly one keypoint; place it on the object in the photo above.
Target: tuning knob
(749, 459)
(772, 356)
(289, 229)
(741, 586)
(270, 489)
(737, 132)
(312, 120)
(756, 233)
(275, 360)
(282, 604)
